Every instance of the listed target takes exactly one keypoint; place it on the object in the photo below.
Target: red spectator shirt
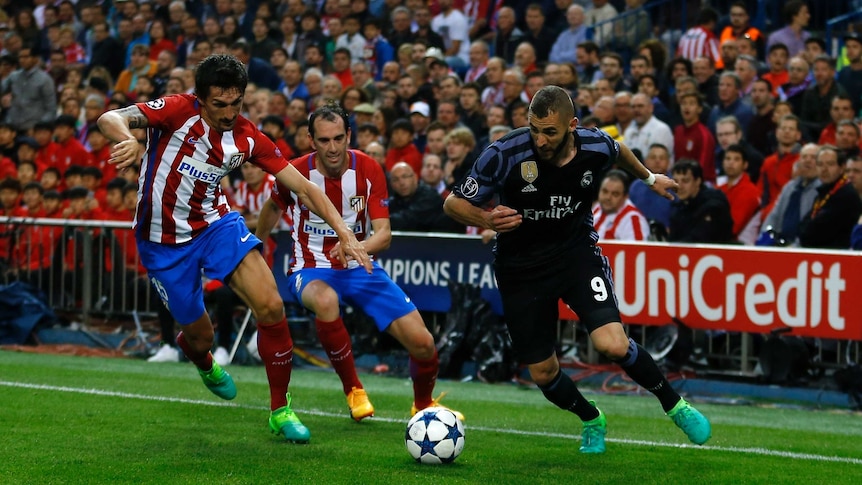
(100, 160)
(71, 152)
(409, 154)
(697, 143)
(774, 174)
(744, 199)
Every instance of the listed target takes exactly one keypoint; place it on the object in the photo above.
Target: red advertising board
(738, 288)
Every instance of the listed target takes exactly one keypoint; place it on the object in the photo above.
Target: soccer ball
(434, 436)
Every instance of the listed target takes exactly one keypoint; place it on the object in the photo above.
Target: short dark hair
(764, 81)
(222, 71)
(10, 184)
(118, 183)
(53, 170)
(589, 46)
(778, 46)
(66, 120)
(792, 9)
(273, 120)
(92, 171)
(130, 187)
(816, 40)
(402, 124)
(622, 176)
(329, 112)
(687, 165)
(28, 162)
(552, 99)
(737, 148)
(77, 193)
(369, 127)
(73, 170)
(34, 186)
(51, 194)
(829, 61)
(707, 15)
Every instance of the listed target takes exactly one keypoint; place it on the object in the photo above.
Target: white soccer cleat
(166, 353)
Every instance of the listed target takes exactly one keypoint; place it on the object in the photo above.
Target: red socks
(424, 375)
(336, 341)
(276, 351)
(203, 361)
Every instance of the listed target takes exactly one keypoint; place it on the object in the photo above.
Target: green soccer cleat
(283, 421)
(219, 382)
(691, 421)
(593, 435)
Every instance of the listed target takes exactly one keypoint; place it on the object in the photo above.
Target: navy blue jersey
(555, 202)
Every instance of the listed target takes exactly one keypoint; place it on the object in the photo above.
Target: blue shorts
(376, 294)
(175, 270)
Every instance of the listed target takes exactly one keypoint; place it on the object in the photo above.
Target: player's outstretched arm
(116, 126)
(500, 219)
(658, 182)
(317, 202)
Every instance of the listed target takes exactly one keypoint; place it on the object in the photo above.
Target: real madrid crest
(587, 179)
(529, 171)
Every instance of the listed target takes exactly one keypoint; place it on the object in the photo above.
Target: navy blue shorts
(376, 294)
(175, 270)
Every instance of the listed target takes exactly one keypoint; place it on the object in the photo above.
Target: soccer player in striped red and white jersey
(356, 185)
(184, 225)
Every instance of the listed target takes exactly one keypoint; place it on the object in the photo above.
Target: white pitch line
(317, 412)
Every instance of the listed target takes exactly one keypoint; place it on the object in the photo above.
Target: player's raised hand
(504, 219)
(663, 186)
(125, 153)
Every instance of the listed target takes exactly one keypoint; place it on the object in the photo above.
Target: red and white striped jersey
(179, 194)
(697, 42)
(360, 195)
(247, 199)
(627, 224)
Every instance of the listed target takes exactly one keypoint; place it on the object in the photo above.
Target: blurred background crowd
(759, 124)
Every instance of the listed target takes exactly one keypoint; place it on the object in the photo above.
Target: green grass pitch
(93, 420)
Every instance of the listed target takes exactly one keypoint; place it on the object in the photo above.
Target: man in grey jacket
(796, 198)
(30, 93)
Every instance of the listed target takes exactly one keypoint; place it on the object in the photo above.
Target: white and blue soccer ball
(434, 436)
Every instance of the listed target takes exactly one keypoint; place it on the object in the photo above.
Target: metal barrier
(83, 267)
(725, 304)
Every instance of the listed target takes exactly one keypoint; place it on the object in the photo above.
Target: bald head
(403, 179)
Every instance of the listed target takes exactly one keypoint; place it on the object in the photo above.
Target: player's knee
(270, 309)
(612, 348)
(322, 301)
(544, 372)
(421, 346)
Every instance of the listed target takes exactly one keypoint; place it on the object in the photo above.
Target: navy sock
(563, 392)
(641, 367)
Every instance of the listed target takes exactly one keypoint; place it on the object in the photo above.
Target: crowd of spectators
(761, 129)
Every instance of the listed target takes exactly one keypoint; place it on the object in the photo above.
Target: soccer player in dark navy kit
(544, 180)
